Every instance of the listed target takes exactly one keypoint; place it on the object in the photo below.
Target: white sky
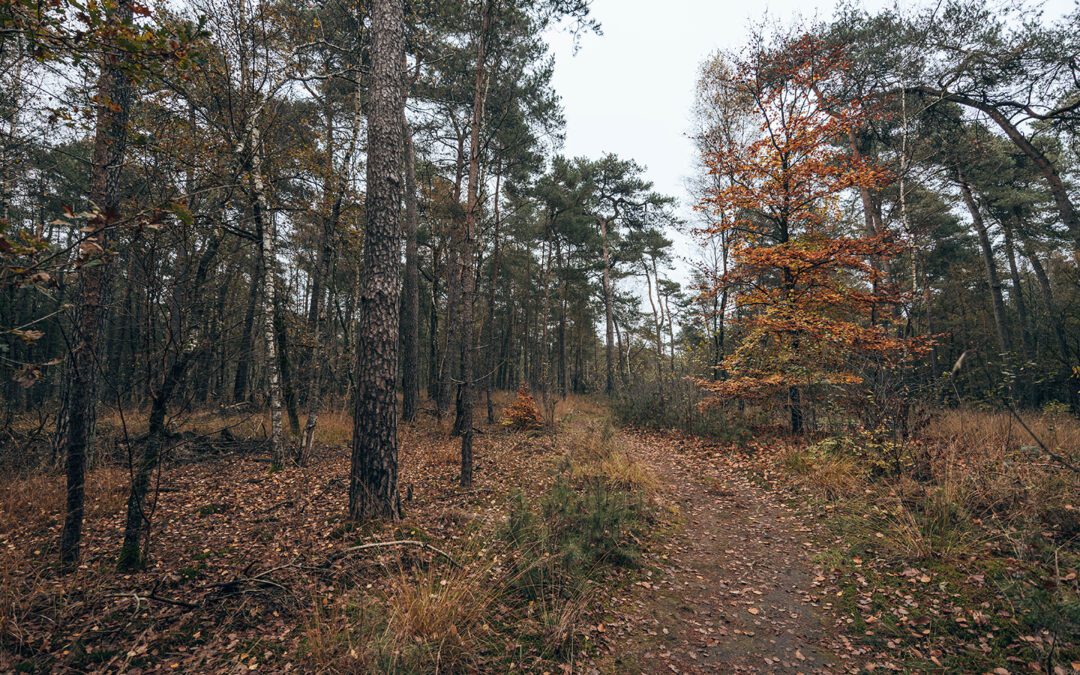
(629, 91)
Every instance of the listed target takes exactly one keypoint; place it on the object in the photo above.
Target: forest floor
(591, 550)
(732, 587)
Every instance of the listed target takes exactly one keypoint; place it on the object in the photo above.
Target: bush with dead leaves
(524, 414)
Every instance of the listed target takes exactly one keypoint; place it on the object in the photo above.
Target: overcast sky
(629, 91)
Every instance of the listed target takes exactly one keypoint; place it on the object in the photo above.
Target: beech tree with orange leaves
(803, 280)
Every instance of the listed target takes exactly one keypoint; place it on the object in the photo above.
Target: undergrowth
(677, 405)
(515, 603)
(959, 548)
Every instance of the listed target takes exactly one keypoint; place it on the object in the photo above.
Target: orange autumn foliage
(807, 286)
(523, 414)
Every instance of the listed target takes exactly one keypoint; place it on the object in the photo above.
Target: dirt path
(732, 588)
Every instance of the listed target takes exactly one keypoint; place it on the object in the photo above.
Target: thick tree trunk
(410, 305)
(373, 479)
(114, 94)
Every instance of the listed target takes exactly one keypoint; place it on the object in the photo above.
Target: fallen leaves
(227, 518)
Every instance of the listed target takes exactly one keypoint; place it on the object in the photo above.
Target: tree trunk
(609, 319)
(496, 260)
(1056, 318)
(333, 194)
(451, 357)
(434, 366)
(1018, 296)
(451, 347)
(544, 383)
(468, 253)
(561, 335)
(373, 479)
(315, 323)
(871, 225)
(671, 332)
(795, 400)
(114, 95)
(410, 306)
(136, 547)
(989, 265)
(243, 359)
(265, 227)
(281, 339)
(657, 325)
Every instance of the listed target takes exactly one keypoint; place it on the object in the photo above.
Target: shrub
(562, 543)
(524, 414)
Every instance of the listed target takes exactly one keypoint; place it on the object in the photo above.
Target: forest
(319, 353)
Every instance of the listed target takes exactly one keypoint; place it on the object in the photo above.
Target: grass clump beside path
(959, 548)
(519, 597)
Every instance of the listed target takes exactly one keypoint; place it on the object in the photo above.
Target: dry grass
(334, 428)
(557, 618)
(17, 588)
(970, 512)
(834, 477)
(971, 479)
(390, 611)
(986, 465)
(593, 454)
(30, 506)
(429, 620)
(999, 431)
(37, 501)
(247, 425)
(619, 470)
(575, 406)
(439, 614)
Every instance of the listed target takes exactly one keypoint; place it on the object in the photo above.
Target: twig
(156, 598)
(258, 580)
(279, 505)
(384, 544)
(1050, 453)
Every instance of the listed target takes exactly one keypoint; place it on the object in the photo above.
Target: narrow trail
(732, 589)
